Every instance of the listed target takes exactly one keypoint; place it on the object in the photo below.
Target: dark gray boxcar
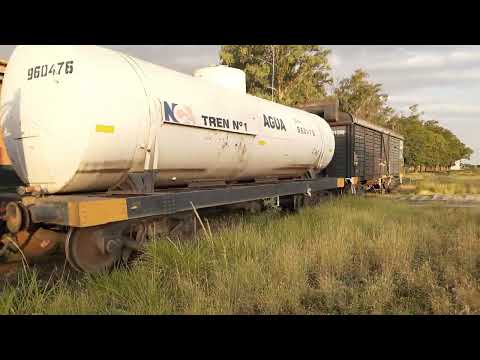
(365, 150)
(362, 149)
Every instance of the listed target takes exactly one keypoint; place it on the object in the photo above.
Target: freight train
(106, 145)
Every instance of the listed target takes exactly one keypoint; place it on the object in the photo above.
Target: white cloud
(463, 55)
(428, 58)
(437, 105)
(335, 60)
(443, 80)
(408, 99)
(453, 109)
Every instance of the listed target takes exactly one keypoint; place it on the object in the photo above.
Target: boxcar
(364, 152)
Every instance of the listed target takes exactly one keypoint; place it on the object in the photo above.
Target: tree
(302, 72)
(411, 128)
(426, 142)
(455, 149)
(364, 99)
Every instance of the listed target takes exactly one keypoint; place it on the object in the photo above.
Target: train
(106, 145)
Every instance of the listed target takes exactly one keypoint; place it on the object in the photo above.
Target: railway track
(465, 201)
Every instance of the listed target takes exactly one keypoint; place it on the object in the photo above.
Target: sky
(443, 80)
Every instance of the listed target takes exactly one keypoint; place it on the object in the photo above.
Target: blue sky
(443, 80)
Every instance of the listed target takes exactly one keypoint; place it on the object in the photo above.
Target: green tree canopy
(302, 72)
(454, 149)
(364, 99)
(426, 142)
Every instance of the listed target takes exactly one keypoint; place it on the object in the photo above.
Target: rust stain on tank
(104, 166)
(225, 143)
(196, 170)
(242, 158)
(294, 167)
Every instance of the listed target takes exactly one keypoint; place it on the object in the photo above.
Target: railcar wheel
(93, 249)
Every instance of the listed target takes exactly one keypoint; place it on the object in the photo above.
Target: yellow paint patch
(109, 129)
(97, 212)
(262, 142)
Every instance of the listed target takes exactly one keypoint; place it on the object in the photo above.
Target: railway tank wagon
(104, 141)
(79, 118)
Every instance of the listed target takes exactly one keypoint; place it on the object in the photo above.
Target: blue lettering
(169, 112)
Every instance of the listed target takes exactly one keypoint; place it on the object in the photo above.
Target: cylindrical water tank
(78, 118)
(227, 77)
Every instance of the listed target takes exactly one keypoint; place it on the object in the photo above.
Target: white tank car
(78, 118)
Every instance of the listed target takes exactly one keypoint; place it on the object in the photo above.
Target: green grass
(347, 256)
(451, 183)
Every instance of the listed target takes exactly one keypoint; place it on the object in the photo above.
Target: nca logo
(178, 113)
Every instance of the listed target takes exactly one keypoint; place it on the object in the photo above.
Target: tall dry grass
(347, 256)
(452, 183)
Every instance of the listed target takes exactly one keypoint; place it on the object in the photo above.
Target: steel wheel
(93, 249)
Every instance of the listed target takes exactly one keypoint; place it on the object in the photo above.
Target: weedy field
(347, 256)
(450, 183)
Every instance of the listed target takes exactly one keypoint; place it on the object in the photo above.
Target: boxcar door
(339, 166)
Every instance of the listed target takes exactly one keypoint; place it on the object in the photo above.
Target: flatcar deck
(104, 208)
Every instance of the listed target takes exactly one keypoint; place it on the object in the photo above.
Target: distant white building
(457, 166)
